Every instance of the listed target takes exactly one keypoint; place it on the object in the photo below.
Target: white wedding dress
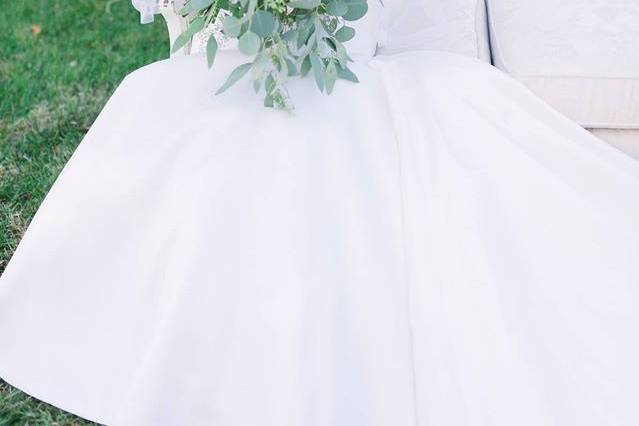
(433, 246)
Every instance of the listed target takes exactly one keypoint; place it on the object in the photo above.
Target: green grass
(53, 83)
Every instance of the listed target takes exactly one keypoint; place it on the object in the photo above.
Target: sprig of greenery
(284, 38)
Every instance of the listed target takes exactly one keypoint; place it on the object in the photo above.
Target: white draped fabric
(432, 246)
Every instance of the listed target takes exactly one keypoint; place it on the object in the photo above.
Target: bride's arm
(175, 23)
(167, 8)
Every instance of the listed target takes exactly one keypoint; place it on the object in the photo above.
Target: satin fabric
(432, 246)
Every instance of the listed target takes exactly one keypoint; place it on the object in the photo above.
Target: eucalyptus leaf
(235, 75)
(231, 26)
(318, 70)
(356, 11)
(346, 74)
(195, 6)
(211, 50)
(183, 39)
(329, 25)
(263, 23)
(331, 77)
(324, 49)
(196, 25)
(249, 43)
(290, 35)
(268, 101)
(334, 23)
(331, 43)
(320, 31)
(336, 8)
(292, 68)
(245, 27)
(305, 34)
(305, 4)
(340, 52)
(345, 34)
(306, 66)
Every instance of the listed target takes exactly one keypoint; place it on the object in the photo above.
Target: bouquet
(283, 38)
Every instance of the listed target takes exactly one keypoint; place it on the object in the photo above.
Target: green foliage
(232, 26)
(336, 8)
(249, 43)
(211, 50)
(356, 10)
(263, 23)
(345, 34)
(284, 38)
(236, 74)
(59, 62)
(195, 26)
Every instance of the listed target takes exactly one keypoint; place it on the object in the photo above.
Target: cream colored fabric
(626, 140)
(456, 26)
(593, 102)
(581, 56)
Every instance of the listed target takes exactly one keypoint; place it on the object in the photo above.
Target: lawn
(59, 62)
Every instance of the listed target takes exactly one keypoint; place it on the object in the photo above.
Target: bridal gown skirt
(432, 246)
